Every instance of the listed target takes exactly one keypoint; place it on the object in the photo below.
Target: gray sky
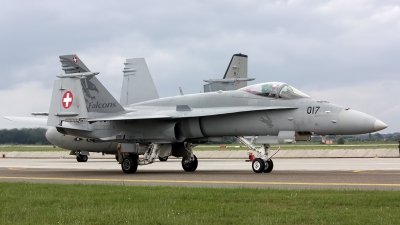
(346, 52)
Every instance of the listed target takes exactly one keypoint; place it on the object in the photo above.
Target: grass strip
(38, 203)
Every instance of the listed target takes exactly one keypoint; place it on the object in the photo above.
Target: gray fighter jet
(276, 112)
(137, 86)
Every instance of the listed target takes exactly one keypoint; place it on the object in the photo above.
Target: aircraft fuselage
(300, 115)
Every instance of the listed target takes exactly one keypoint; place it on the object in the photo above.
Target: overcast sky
(346, 52)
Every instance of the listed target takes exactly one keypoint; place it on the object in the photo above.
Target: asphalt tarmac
(338, 173)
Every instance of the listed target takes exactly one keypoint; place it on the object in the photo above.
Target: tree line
(376, 137)
(37, 136)
(27, 136)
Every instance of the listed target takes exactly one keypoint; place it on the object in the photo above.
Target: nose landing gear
(262, 162)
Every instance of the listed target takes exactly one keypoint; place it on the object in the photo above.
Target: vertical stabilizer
(97, 98)
(234, 78)
(80, 96)
(138, 85)
(67, 101)
(237, 68)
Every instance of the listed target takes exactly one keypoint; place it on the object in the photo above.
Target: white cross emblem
(75, 59)
(67, 99)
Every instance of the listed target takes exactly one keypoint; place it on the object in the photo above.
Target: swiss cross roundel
(67, 99)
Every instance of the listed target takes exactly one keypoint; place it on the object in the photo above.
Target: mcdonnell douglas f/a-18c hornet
(175, 124)
(276, 112)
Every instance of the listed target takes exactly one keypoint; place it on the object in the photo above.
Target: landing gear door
(165, 150)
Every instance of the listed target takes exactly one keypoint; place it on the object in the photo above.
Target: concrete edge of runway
(233, 154)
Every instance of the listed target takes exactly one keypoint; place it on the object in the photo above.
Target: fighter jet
(275, 111)
(137, 86)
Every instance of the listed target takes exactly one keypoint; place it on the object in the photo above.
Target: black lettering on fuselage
(98, 105)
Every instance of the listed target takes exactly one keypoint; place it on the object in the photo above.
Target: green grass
(32, 203)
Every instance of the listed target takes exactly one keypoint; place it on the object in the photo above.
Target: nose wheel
(258, 165)
(269, 165)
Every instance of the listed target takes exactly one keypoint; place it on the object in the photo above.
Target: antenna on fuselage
(180, 90)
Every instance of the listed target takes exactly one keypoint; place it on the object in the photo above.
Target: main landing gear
(189, 163)
(130, 161)
(163, 159)
(262, 162)
(81, 157)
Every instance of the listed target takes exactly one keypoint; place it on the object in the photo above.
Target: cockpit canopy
(275, 90)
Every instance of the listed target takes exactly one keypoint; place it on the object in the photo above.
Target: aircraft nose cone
(356, 122)
(379, 125)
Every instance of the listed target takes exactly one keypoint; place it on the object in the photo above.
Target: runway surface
(371, 173)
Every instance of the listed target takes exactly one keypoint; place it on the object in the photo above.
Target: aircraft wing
(33, 120)
(183, 111)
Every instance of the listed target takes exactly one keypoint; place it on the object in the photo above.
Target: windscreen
(270, 89)
(275, 90)
(289, 92)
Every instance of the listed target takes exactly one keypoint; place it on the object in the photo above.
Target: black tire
(258, 165)
(84, 158)
(190, 167)
(78, 158)
(269, 165)
(163, 159)
(129, 164)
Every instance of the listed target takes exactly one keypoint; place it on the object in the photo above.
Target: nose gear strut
(262, 161)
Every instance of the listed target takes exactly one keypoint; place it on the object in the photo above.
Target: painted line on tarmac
(388, 171)
(200, 182)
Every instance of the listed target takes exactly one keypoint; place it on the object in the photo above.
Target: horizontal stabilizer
(32, 120)
(40, 113)
(76, 126)
(78, 75)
